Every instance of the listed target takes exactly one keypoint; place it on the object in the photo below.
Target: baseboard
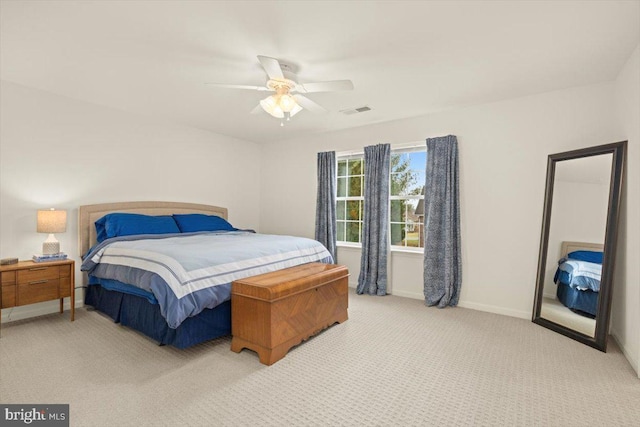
(33, 310)
(473, 305)
(403, 294)
(630, 358)
(495, 309)
(406, 294)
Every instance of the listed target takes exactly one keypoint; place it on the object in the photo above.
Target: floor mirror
(576, 261)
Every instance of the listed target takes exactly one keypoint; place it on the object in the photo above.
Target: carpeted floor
(394, 362)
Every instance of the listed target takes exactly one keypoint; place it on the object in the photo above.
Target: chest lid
(283, 283)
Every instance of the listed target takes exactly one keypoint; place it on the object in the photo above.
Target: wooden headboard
(568, 247)
(89, 214)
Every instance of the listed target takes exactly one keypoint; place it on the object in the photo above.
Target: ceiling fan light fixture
(270, 105)
(279, 104)
(277, 112)
(287, 103)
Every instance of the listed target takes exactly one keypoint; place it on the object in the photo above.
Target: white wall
(578, 214)
(58, 152)
(626, 294)
(503, 156)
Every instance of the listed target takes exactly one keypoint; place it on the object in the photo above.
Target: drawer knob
(37, 282)
(38, 268)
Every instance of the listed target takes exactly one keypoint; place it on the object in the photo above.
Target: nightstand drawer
(8, 296)
(8, 278)
(36, 274)
(38, 291)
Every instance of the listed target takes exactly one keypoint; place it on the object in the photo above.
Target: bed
(161, 269)
(578, 277)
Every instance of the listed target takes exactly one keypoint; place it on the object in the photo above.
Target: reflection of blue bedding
(190, 272)
(580, 301)
(580, 275)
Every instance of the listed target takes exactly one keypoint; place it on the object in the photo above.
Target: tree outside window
(350, 200)
(407, 189)
(406, 182)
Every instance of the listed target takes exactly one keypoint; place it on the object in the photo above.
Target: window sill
(349, 245)
(418, 251)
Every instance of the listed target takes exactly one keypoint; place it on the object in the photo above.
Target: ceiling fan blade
(332, 86)
(257, 110)
(308, 104)
(260, 88)
(272, 67)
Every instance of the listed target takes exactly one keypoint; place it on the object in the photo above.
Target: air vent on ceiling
(355, 110)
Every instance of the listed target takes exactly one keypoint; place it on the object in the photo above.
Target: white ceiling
(405, 58)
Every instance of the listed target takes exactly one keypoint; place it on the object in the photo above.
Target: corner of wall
(626, 296)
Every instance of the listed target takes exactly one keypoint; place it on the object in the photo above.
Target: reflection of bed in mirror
(577, 277)
(581, 203)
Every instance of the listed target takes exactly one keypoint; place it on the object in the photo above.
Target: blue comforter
(580, 275)
(189, 272)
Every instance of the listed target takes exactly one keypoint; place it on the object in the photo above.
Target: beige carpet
(394, 362)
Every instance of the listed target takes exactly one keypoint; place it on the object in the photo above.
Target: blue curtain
(326, 202)
(375, 241)
(442, 263)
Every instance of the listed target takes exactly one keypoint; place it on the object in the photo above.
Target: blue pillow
(189, 223)
(128, 224)
(587, 256)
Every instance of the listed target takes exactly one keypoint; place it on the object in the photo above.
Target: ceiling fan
(287, 101)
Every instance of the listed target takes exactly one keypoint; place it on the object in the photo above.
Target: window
(406, 180)
(407, 190)
(350, 199)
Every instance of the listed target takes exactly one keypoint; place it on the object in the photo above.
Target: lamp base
(51, 246)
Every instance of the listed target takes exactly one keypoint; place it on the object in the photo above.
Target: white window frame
(404, 248)
(395, 149)
(347, 199)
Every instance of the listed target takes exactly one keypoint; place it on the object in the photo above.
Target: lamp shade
(52, 221)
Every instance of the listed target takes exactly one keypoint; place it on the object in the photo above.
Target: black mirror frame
(599, 340)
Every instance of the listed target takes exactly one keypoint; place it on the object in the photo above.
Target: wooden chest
(273, 312)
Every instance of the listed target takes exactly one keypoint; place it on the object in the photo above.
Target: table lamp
(51, 221)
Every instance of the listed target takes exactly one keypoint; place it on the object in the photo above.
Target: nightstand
(29, 282)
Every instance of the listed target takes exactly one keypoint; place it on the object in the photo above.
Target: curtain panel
(375, 241)
(442, 262)
(326, 203)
